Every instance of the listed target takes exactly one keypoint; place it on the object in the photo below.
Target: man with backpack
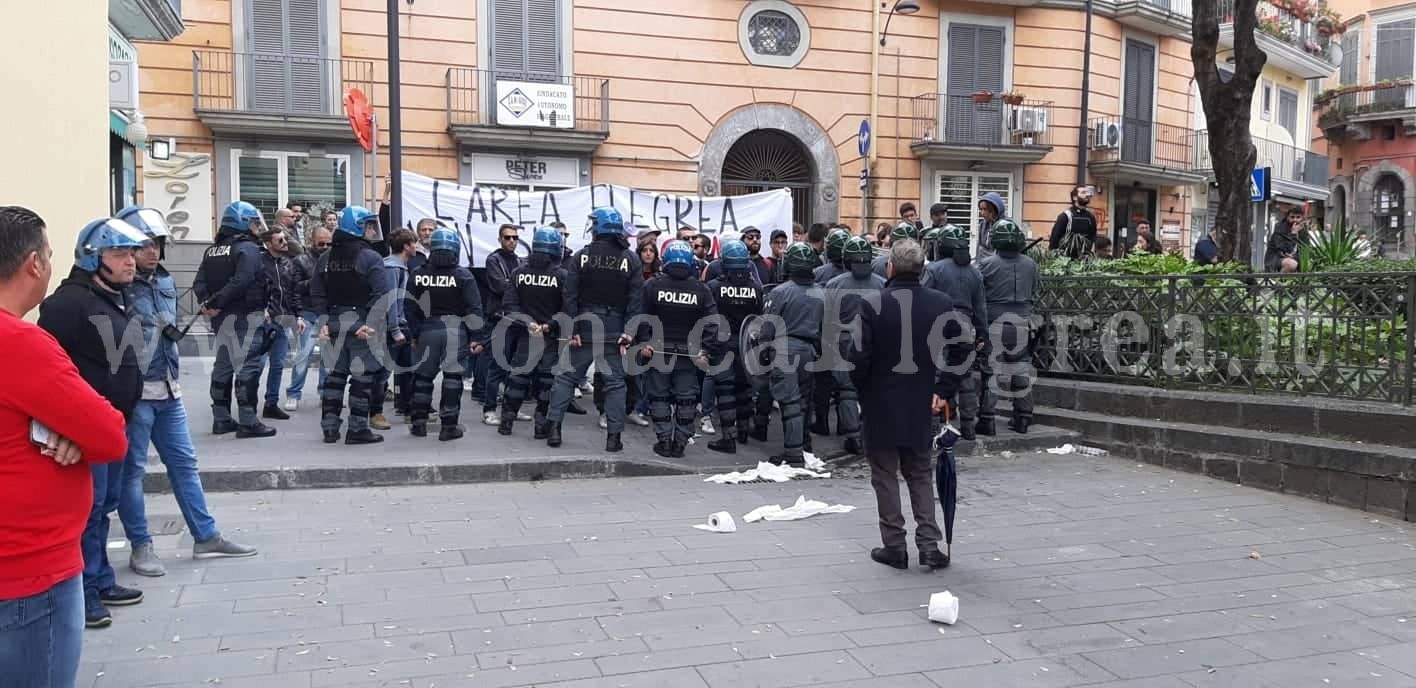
(1075, 221)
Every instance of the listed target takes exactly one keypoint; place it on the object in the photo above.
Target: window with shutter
(976, 61)
(285, 64)
(1351, 57)
(1138, 99)
(1288, 112)
(960, 191)
(526, 39)
(1396, 50)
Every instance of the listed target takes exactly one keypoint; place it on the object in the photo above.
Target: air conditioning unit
(1106, 135)
(123, 84)
(1027, 120)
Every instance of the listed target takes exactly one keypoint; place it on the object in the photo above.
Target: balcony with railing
(540, 112)
(1160, 17)
(273, 94)
(1296, 171)
(1001, 128)
(1293, 33)
(147, 20)
(1350, 110)
(1129, 149)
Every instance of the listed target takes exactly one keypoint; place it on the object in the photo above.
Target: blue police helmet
(734, 256)
(678, 253)
(606, 221)
(238, 217)
(547, 241)
(352, 220)
(444, 239)
(146, 220)
(102, 235)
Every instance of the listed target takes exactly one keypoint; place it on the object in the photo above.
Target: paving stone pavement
(1071, 571)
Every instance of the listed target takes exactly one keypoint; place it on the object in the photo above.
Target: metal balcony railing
(1130, 139)
(972, 120)
(1181, 8)
(471, 97)
(274, 83)
(1282, 24)
(1289, 163)
(1338, 107)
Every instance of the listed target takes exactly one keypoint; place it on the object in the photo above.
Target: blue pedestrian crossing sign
(1259, 189)
(863, 138)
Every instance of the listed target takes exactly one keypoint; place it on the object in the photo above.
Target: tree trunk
(1227, 105)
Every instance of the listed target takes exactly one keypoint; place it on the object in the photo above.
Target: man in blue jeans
(304, 270)
(159, 418)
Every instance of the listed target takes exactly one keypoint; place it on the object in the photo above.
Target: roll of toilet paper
(721, 522)
(943, 607)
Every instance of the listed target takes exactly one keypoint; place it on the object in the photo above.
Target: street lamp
(901, 7)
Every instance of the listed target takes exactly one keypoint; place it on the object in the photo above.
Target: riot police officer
(903, 230)
(738, 296)
(445, 297)
(823, 382)
(850, 292)
(231, 287)
(351, 285)
(835, 243)
(602, 292)
(533, 300)
(1010, 286)
(953, 273)
(799, 306)
(679, 301)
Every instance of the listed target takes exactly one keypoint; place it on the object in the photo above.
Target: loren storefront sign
(180, 188)
(534, 104)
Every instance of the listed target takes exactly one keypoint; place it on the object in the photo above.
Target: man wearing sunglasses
(500, 265)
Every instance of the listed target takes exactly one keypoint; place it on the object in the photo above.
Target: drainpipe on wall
(869, 159)
(1086, 98)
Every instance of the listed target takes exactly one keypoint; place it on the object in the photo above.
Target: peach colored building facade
(664, 92)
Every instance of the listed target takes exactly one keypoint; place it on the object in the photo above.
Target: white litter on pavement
(764, 471)
(803, 508)
(1064, 449)
(1077, 449)
(944, 608)
(721, 522)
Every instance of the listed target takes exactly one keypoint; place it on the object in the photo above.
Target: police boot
(759, 428)
(793, 461)
(540, 429)
(984, 426)
(664, 449)
(331, 436)
(613, 443)
(821, 426)
(679, 448)
(256, 429)
(966, 431)
(419, 429)
(222, 427)
(725, 445)
(507, 420)
(1019, 424)
(553, 434)
(853, 446)
(744, 431)
(806, 443)
(448, 433)
(365, 436)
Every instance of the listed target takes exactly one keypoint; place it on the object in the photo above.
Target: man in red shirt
(45, 487)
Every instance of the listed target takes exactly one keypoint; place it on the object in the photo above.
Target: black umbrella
(946, 478)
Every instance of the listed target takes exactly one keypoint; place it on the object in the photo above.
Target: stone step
(1374, 477)
(1339, 419)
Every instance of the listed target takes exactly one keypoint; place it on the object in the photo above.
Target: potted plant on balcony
(1013, 98)
(981, 97)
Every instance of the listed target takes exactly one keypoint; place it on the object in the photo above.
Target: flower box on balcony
(1013, 98)
(982, 97)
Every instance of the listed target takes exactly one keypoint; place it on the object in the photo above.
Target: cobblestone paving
(1070, 570)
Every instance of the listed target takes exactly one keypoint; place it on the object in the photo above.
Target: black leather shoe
(793, 461)
(984, 426)
(505, 427)
(365, 436)
(222, 427)
(255, 430)
(664, 449)
(419, 428)
(933, 559)
(1020, 425)
(575, 409)
(678, 449)
(613, 443)
(273, 412)
(447, 433)
(889, 556)
(331, 437)
(724, 445)
(759, 431)
(853, 447)
(541, 430)
(822, 428)
(553, 435)
(966, 431)
(806, 444)
(744, 431)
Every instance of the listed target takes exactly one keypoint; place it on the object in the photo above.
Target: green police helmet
(930, 241)
(1005, 235)
(904, 230)
(801, 259)
(857, 250)
(835, 241)
(953, 237)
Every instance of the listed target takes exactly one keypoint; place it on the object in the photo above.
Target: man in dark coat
(897, 406)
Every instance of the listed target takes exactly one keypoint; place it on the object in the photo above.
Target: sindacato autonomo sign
(535, 104)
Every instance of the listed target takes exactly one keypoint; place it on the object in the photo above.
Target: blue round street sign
(863, 139)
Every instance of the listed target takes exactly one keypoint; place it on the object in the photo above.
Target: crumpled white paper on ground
(721, 522)
(764, 471)
(803, 508)
(813, 463)
(944, 608)
(1064, 449)
(1077, 449)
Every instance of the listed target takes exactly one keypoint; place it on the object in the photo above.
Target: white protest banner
(477, 211)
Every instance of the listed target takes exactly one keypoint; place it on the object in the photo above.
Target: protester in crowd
(991, 209)
(56, 427)
(938, 215)
(330, 221)
(87, 314)
(283, 308)
(287, 222)
(1075, 221)
(303, 268)
(1147, 243)
(1206, 251)
(702, 246)
(421, 249)
(160, 417)
(909, 213)
(816, 239)
(402, 246)
(881, 237)
(1281, 254)
(902, 386)
(778, 245)
(752, 239)
(1101, 248)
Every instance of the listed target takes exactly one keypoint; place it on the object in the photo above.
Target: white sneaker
(707, 426)
(491, 418)
(638, 419)
(577, 393)
(588, 387)
(604, 422)
(524, 416)
(467, 385)
(292, 405)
